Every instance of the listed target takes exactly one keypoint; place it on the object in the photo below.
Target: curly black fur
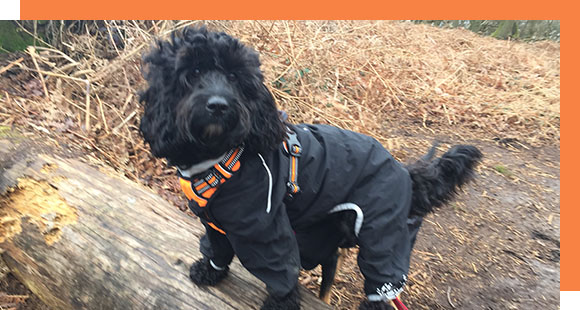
(183, 75)
(202, 273)
(375, 305)
(436, 182)
(288, 302)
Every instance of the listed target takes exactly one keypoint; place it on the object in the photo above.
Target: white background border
(569, 300)
(9, 9)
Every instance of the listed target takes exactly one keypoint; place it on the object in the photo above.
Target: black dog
(277, 195)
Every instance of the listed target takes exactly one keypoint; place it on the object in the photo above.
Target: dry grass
(385, 79)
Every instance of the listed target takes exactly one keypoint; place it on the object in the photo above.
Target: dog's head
(205, 96)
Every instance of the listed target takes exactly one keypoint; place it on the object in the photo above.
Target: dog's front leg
(203, 273)
(269, 250)
(217, 255)
(290, 301)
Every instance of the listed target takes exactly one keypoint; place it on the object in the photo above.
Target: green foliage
(282, 85)
(506, 29)
(286, 84)
(12, 38)
(503, 170)
(526, 30)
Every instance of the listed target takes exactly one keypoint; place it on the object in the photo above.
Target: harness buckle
(293, 188)
(294, 148)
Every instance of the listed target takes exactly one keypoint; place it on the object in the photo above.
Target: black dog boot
(375, 305)
(289, 302)
(203, 273)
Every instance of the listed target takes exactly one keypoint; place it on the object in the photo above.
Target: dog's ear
(158, 122)
(267, 128)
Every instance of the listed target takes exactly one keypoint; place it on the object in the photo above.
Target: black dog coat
(249, 217)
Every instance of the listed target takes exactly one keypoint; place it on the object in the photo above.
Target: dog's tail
(435, 182)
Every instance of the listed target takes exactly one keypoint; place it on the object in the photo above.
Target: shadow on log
(81, 238)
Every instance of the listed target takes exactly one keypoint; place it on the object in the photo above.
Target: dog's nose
(217, 105)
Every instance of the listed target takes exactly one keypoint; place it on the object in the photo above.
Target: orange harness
(201, 189)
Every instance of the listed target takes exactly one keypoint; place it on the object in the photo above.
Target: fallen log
(81, 238)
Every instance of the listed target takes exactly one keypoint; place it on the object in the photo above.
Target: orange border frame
(297, 9)
(375, 9)
(569, 168)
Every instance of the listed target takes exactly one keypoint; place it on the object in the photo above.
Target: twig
(127, 101)
(102, 113)
(32, 52)
(39, 128)
(447, 114)
(65, 56)
(111, 38)
(94, 146)
(33, 35)
(449, 297)
(10, 65)
(424, 123)
(125, 121)
(55, 74)
(387, 85)
(334, 99)
(88, 108)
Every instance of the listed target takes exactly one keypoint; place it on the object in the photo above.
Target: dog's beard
(212, 131)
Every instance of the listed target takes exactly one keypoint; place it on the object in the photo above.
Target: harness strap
(202, 188)
(293, 149)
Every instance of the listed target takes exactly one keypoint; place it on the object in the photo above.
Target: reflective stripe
(214, 266)
(351, 206)
(376, 297)
(269, 206)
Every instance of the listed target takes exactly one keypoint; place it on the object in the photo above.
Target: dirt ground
(497, 246)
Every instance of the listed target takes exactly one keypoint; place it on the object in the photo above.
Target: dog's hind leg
(329, 270)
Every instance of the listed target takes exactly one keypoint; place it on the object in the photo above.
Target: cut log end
(38, 202)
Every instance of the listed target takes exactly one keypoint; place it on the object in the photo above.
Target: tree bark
(81, 238)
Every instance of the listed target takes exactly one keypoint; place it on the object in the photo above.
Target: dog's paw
(202, 273)
(288, 302)
(375, 305)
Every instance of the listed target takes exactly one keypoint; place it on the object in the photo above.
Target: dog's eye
(232, 77)
(196, 72)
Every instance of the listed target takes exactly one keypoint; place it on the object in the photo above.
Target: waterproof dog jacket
(249, 216)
